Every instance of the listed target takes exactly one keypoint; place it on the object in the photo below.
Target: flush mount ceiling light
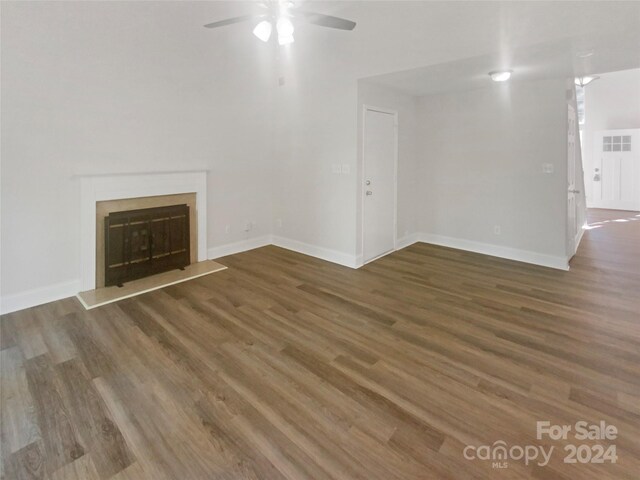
(280, 13)
(500, 75)
(584, 81)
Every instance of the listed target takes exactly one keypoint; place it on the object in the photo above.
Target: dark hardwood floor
(285, 366)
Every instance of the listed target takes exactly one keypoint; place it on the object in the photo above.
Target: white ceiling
(420, 47)
(566, 58)
(451, 45)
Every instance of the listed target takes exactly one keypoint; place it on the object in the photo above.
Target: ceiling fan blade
(327, 20)
(230, 21)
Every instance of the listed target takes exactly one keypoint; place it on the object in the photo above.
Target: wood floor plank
(28, 463)
(19, 422)
(80, 469)
(29, 335)
(99, 434)
(60, 437)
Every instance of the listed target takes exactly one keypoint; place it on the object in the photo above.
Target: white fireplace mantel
(97, 188)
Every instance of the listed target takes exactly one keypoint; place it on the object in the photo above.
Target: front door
(616, 170)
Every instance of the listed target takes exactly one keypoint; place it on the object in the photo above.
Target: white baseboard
(323, 253)
(404, 242)
(615, 205)
(237, 247)
(526, 256)
(38, 296)
(581, 234)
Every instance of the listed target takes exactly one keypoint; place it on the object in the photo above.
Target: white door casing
(572, 220)
(380, 152)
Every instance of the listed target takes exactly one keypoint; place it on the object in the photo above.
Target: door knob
(369, 192)
(368, 182)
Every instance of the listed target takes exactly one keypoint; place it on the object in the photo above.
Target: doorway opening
(610, 139)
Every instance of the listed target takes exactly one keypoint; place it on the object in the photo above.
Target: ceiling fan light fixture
(586, 80)
(500, 75)
(284, 27)
(285, 30)
(263, 30)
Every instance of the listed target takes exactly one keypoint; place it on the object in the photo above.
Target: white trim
(38, 296)
(95, 188)
(322, 253)
(158, 287)
(629, 206)
(407, 241)
(238, 247)
(372, 108)
(580, 235)
(526, 256)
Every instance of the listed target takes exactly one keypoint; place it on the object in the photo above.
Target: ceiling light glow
(263, 30)
(500, 75)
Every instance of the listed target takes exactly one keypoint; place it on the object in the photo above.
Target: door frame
(573, 231)
(388, 111)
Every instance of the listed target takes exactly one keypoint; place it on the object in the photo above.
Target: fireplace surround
(98, 188)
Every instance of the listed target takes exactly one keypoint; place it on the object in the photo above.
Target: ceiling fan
(280, 14)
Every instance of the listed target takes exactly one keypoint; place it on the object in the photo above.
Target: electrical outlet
(227, 229)
(547, 168)
(279, 223)
(248, 226)
(497, 230)
(346, 168)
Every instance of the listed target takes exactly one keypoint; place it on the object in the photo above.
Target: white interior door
(572, 220)
(616, 170)
(379, 189)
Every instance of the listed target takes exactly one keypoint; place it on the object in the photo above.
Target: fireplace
(101, 195)
(142, 242)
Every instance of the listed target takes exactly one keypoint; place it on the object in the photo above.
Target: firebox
(139, 243)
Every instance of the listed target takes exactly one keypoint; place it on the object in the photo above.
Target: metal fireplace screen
(143, 242)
